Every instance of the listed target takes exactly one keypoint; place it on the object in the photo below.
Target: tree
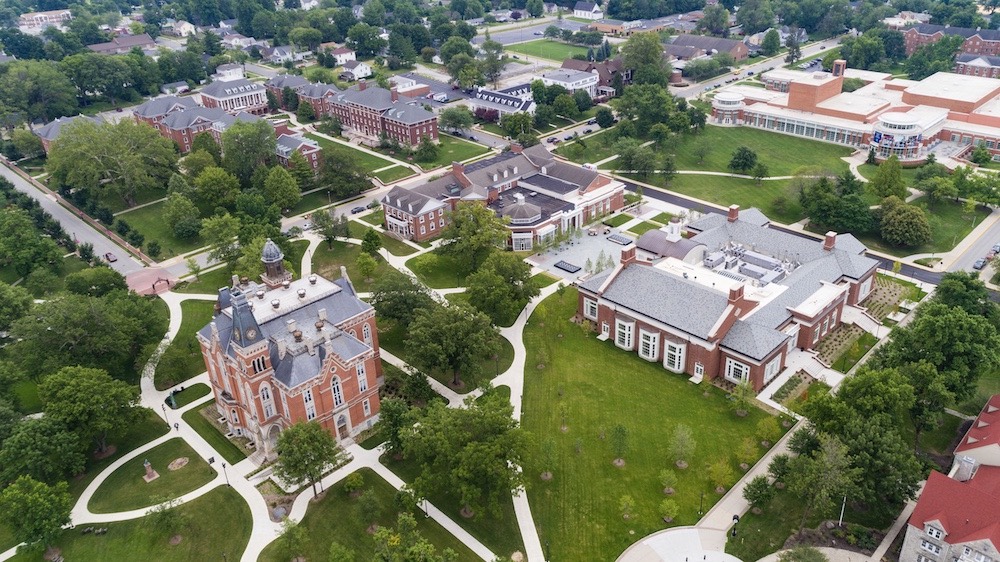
(394, 421)
(669, 510)
(365, 39)
(37, 89)
(206, 142)
(344, 178)
(280, 188)
(89, 401)
(427, 150)
(219, 233)
(247, 145)
(301, 170)
(938, 188)
(401, 544)
(905, 225)
(643, 53)
(305, 450)
(802, 553)
(565, 106)
(721, 473)
(501, 287)
(454, 46)
(117, 158)
(755, 16)
(340, 553)
(822, 478)
(472, 232)
(399, 297)
(627, 506)
(182, 216)
(888, 179)
(371, 243)
(647, 104)
(474, 452)
(771, 43)
(493, 59)
(668, 479)
(165, 516)
(759, 172)
(792, 43)
(95, 281)
(455, 118)
(305, 113)
(452, 339)
(535, 8)
(743, 160)
(682, 445)
(515, 124)
(369, 506)
(366, 264)
(27, 143)
(605, 118)
(43, 449)
(217, 186)
(931, 397)
(15, 302)
(35, 512)
(294, 537)
(758, 492)
(715, 21)
(619, 442)
(195, 163)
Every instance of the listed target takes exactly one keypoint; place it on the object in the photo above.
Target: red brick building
(281, 352)
(155, 110)
(976, 41)
(49, 132)
(182, 126)
(977, 65)
(309, 149)
(735, 299)
(276, 86)
(234, 96)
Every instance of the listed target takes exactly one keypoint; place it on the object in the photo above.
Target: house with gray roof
(503, 103)
(370, 113)
(49, 132)
(712, 45)
(280, 351)
(731, 299)
(154, 110)
(587, 10)
(234, 96)
(183, 125)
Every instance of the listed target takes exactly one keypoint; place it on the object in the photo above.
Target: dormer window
(934, 532)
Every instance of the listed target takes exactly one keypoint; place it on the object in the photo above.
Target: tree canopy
(451, 339)
(473, 231)
(305, 451)
(89, 401)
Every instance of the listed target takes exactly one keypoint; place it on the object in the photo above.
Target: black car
(357, 210)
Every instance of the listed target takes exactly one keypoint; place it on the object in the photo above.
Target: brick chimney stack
(734, 213)
(457, 168)
(394, 93)
(735, 294)
(516, 148)
(362, 85)
(628, 254)
(830, 241)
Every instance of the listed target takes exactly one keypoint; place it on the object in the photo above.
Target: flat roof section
(958, 87)
(857, 104)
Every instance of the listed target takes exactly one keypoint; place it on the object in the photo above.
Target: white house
(356, 70)
(588, 10)
(572, 80)
(237, 41)
(184, 28)
(343, 54)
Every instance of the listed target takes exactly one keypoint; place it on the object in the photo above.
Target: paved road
(262, 70)
(527, 33)
(977, 250)
(74, 225)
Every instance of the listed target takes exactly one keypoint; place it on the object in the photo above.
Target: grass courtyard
(326, 261)
(197, 420)
(218, 525)
(392, 245)
(782, 154)
(336, 518)
(950, 224)
(437, 270)
(125, 488)
(182, 358)
(369, 162)
(207, 283)
(547, 49)
(453, 149)
(149, 221)
(599, 386)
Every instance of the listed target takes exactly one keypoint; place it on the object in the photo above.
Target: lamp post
(226, 474)
(701, 506)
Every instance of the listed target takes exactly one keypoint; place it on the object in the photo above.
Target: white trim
(736, 371)
(587, 304)
(649, 345)
(624, 334)
(677, 352)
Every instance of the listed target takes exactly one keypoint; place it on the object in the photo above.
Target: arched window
(267, 401)
(366, 331)
(338, 392)
(259, 364)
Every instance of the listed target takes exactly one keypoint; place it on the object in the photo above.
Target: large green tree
(305, 452)
(15, 302)
(501, 287)
(821, 478)
(905, 226)
(888, 179)
(280, 188)
(755, 16)
(43, 449)
(35, 512)
(404, 543)
(247, 146)
(451, 339)
(399, 297)
(643, 53)
(219, 233)
(89, 401)
(119, 158)
(473, 232)
(95, 281)
(37, 89)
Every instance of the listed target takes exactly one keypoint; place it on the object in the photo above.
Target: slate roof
(123, 42)
(966, 32)
(584, 6)
(164, 105)
(410, 201)
(967, 511)
(753, 340)
(230, 88)
(286, 144)
(655, 242)
(980, 60)
(226, 120)
(287, 80)
(183, 119)
(567, 75)
(317, 90)
(680, 51)
(380, 99)
(352, 64)
(51, 130)
(501, 99)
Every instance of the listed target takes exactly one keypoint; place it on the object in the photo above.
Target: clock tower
(274, 265)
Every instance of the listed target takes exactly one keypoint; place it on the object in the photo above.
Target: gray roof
(51, 130)
(707, 43)
(287, 80)
(966, 32)
(585, 6)
(567, 75)
(351, 64)
(317, 90)
(410, 201)
(753, 340)
(663, 297)
(969, 57)
(271, 252)
(509, 101)
(123, 42)
(750, 216)
(286, 144)
(230, 88)
(655, 242)
(380, 99)
(164, 105)
(227, 120)
(188, 117)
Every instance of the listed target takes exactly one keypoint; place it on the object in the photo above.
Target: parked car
(980, 263)
(537, 33)
(568, 137)
(749, 73)
(996, 248)
(588, 131)
(594, 122)
(472, 138)
(551, 139)
(110, 257)
(990, 255)
(357, 210)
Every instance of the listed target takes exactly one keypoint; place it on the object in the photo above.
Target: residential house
(4, 57)
(607, 71)
(283, 54)
(732, 300)
(539, 194)
(228, 73)
(713, 45)
(784, 32)
(235, 41)
(33, 23)
(356, 70)
(572, 80)
(343, 55)
(976, 41)
(277, 84)
(905, 19)
(977, 65)
(505, 102)
(280, 352)
(308, 4)
(227, 25)
(178, 87)
(123, 44)
(235, 96)
(49, 132)
(550, 7)
(182, 28)
(587, 10)
(309, 149)
(624, 28)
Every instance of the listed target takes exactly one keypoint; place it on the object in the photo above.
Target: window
(368, 407)
(421, 219)
(930, 547)
(699, 369)
(934, 532)
(423, 230)
(258, 364)
(338, 392)
(772, 368)
(735, 371)
(649, 345)
(623, 334)
(673, 357)
(366, 331)
(590, 308)
(433, 226)
(922, 558)
(362, 377)
(310, 407)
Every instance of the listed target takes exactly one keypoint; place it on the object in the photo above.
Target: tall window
(267, 401)
(735, 371)
(258, 364)
(362, 378)
(338, 392)
(930, 547)
(366, 331)
(307, 397)
(649, 345)
(699, 369)
(590, 308)
(772, 368)
(673, 357)
(368, 407)
(623, 334)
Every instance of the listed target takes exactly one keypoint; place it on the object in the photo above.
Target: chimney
(275, 303)
(286, 284)
(519, 197)
(319, 325)
(302, 293)
(394, 93)
(628, 254)
(297, 334)
(839, 66)
(235, 281)
(362, 85)
(260, 294)
(735, 294)
(322, 314)
(281, 348)
(215, 331)
(734, 213)
(457, 168)
(830, 241)
(312, 279)
(291, 326)
(244, 280)
(516, 148)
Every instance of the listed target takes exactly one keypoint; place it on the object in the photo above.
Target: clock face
(251, 333)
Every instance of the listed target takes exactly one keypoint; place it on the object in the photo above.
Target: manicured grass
(392, 174)
(326, 261)
(6, 539)
(149, 427)
(207, 283)
(494, 128)
(453, 149)
(208, 432)
(600, 386)
(617, 220)
(337, 518)
(499, 534)
(939, 440)
(392, 337)
(392, 245)
(950, 224)
(987, 386)
(374, 218)
(593, 149)
(782, 154)
(776, 198)
(542, 280)
(219, 523)
(190, 394)
(547, 49)
(125, 489)
(643, 227)
(26, 394)
(662, 218)
(143, 195)
(182, 358)
(436, 270)
(311, 201)
(339, 151)
(149, 221)
(869, 171)
(850, 358)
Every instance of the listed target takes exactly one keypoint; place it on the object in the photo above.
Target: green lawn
(617, 220)
(392, 245)
(326, 261)
(593, 149)
(149, 427)
(547, 49)
(337, 518)
(26, 396)
(950, 224)
(600, 387)
(869, 171)
(69, 264)
(776, 199)
(374, 218)
(392, 174)
(643, 227)
(143, 195)
(208, 432)
(782, 154)
(662, 218)
(337, 150)
(207, 283)
(436, 270)
(311, 201)
(149, 221)
(542, 280)
(190, 394)
(125, 489)
(219, 525)
(392, 338)
(454, 149)
(987, 386)
(182, 359)
(499, 534)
